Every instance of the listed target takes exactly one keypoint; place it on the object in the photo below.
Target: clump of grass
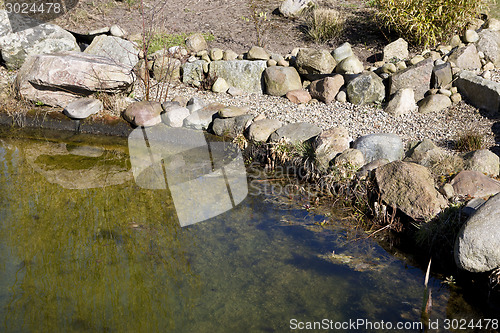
(324, 24)
(427, 22)
(163, 40)
(469, 141)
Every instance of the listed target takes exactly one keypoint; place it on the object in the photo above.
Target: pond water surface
(84, 249)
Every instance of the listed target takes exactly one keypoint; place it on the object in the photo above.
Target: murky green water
(84, 249)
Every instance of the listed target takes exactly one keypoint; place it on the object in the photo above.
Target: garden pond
(83, 248)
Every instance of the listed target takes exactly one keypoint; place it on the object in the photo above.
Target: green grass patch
(163, 40)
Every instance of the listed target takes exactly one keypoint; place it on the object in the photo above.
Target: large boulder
(260, 130)
(166, 68)
(395, 51)
(410, 188)
(329, 144)
(434, 103)
(192, 72)
(489, 44)
(293, 8)
(30, 38)
(477, 248)
(342, 52)
(310, 62)
(424, 153)
(474, 184)
(145, 113)
(482, 93)
(366, 88)
(296, 133)
(466, 57)
(231, 127)
(202, 118)
(326, 89)
(174, 115)
(441, 76)
(280, 80)
(196, 42)
(483, 161)
(402, 102)
(57, 79)
(118, 49)
(257, 53)
(416, 77)
(350, 65)
(83, 108)
(380, 146)
(243, 74)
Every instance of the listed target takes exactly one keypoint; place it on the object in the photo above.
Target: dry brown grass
(324, 24)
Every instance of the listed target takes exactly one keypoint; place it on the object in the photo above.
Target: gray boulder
(83, 108)
(192, 73)
(243, 74)
(402, 103)
(57, 79)
(30, 38)
(312, 62)
(174, 115)
(342, 52)
(483, 161)
(379, 146)
(474, 184)
(298, 96)
(397, 50)
(489, 44)
(195, 104)
(416, 77)
(296, 133)
(145, 113)
(350, 65)
(466, 57)
(118, 49)
(482, 93)
(257, 53)
(424, 152)
(326, 89)
(166, 68)
(477, 248)
(293, 8)
(366, 88)
(233, 111)
(434, 103)
(196, 42)
(202, 118)
(329, 144)
(260, 130)
(442, 76)
(280, 80)
(231, 127)
(350, 157)
(410, 188)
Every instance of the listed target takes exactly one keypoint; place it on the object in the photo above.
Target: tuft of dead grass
(324, 24)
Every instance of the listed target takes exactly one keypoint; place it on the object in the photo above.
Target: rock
(271, 62)
(456, 98)
(233, 111)
(402, 103)
(397, 50)
(474, 184)
(471, 36)
(280, 80)
(220, 85)
(341, 97)
(216, 54)
(389, 68)
(243, 74)
(350, 65)
(293, 8)
(477, 248)
(117, 31)
(351, 157)
(441, 76)
(174, 115)
(235, 91)
(30, 38)
(329, 144)
(492, 24)
(119, 50)
(56, 79)
(231, 127)
(311, 62)
(195, 104)
(342, 52)
(326, 89)
(202, 118)
(196, 42)
(296, 133)
(260, 130)
(416, 59)
(230, 55)
(167, 68)
(483, 161)
(410, 187)
(83, 108)
(379, 146)
(482, 93)
(298, 96)
(424, 153)
(366, 88)
(192, 73)
(489, 44)
(257, 53)
(434, 103)
(456, 41)
(369, 167)
(416, 77)
(145, 113)
(466, 57)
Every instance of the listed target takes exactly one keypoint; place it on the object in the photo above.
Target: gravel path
(441, 127)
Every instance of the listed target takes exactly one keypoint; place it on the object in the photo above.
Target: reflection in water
(113, 258)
